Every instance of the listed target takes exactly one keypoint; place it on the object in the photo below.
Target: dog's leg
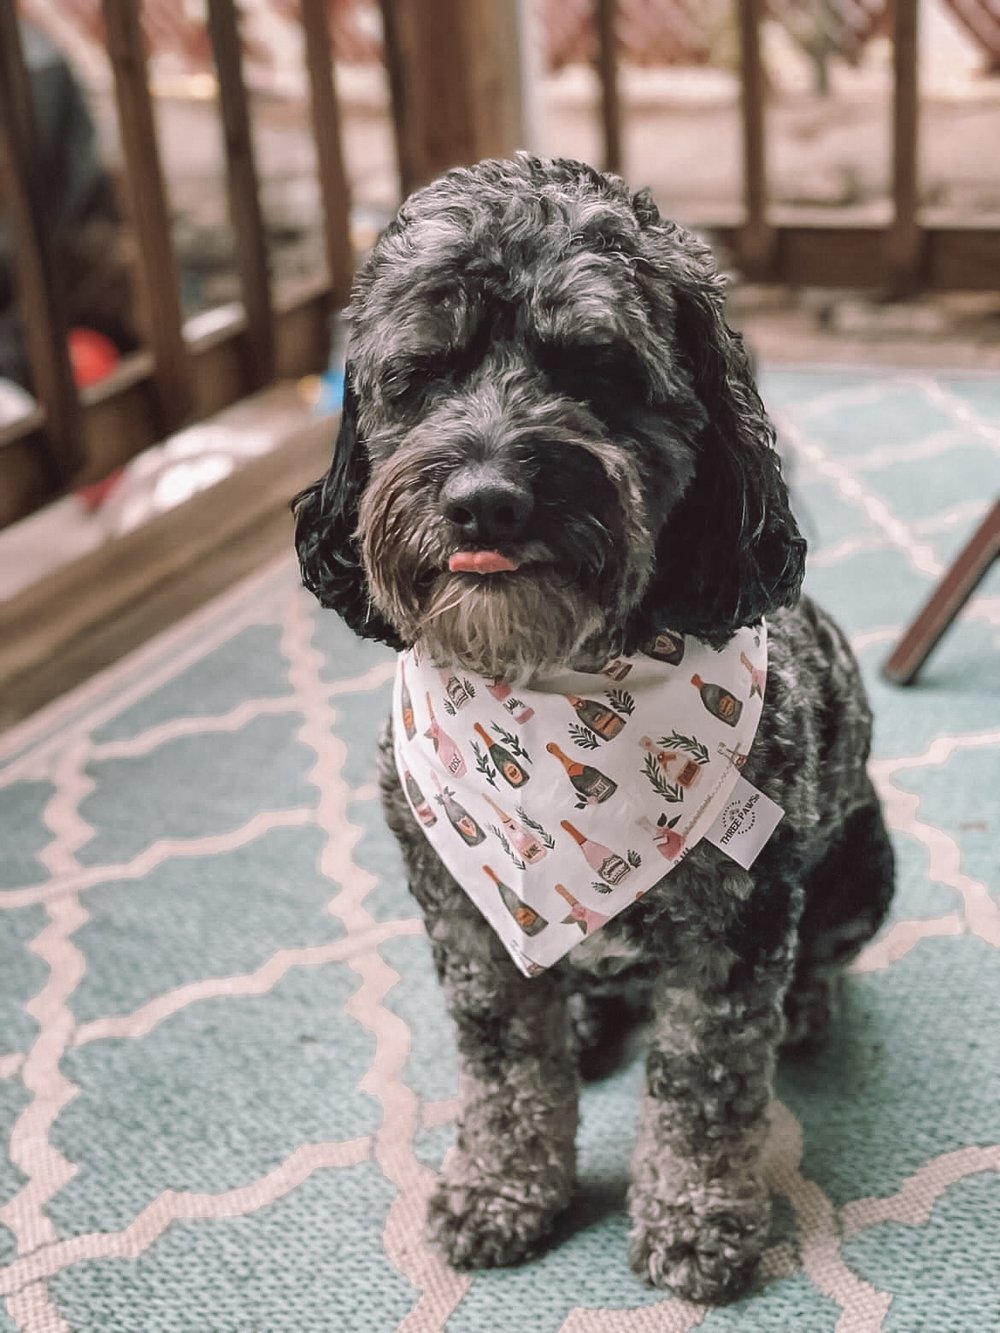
(699, 1207)
(847, 898)
(512, 1169)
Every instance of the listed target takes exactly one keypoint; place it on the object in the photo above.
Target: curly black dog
(540, 368)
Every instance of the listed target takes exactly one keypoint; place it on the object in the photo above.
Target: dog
(551, 448)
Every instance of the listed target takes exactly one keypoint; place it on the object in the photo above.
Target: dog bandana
(557, 805)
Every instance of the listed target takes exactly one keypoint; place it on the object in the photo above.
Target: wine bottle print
(530, 921)
(758, 677)
(458, 817)
(507, 765)
(601, 719)
(591, 786)
(611, 867)
(527, 844)
(666, 647)
(444, 747)
(503, 694)
(584, 917)
(723, 705)
(418, 800)
(406, 704)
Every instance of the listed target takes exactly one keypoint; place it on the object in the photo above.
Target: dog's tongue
(481, 562)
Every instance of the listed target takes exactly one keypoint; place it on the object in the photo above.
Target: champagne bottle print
(527, 844)
(444, 747)
(732, 754)
(668, 843)
(406, 704)
(688, 773)
(458, 817)
(758, 677)
(507, 765)
(458, 691)
(584, 917)
(723, 705)
(601, 719)
(592, 786)
(611, 867)
(667, 647)
(530, 921)
(418, 800)
(503, 694)
(617, 669)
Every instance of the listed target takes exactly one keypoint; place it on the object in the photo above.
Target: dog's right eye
(401, 380)
(584, 370)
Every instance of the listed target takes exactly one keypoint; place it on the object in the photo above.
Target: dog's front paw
(488, 1222)
(705, 1249)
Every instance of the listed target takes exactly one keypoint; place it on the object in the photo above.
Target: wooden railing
(78, 437)
(74, 438)
(905, 256)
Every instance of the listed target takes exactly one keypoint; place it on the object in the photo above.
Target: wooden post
(157, 267)
(454, 74)
(329, 150)
(757, 236)
(606, 32)
(245, 214)
(40, 301)
(904, 242)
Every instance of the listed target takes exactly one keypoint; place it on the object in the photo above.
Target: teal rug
(226, 1073)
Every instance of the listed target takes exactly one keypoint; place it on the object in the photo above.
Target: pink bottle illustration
(584, 917)
(528, 845)
(758, 677)
(668, 843)
(503, 694)
(444, 747)
(611, 867)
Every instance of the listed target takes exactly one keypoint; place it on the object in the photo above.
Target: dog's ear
(731, 551)
(326, 537)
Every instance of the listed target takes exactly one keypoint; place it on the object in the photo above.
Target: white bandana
(557, 805)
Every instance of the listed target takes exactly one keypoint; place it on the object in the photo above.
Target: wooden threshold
(74, 622)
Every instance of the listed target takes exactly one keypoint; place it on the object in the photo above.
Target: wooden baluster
(757, 237)
(40, 303)
(606, 33)
(243, 186)
(150, 217)
(904, 241)
(327, 134)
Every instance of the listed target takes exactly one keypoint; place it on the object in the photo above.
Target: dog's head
(552, 446)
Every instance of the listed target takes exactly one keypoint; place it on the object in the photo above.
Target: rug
(226, 1073)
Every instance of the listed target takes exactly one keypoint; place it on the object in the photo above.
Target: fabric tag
(745, 823)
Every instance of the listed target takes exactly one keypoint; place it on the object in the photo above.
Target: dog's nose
(486, 504)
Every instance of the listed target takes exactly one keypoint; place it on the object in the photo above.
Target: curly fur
(537, 316)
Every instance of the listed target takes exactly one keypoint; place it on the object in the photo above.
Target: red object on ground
(92, 356)
(481, 562)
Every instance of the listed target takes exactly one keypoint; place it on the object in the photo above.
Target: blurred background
(186, 187)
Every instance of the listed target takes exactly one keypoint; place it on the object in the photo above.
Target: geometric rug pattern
(226, 1072)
